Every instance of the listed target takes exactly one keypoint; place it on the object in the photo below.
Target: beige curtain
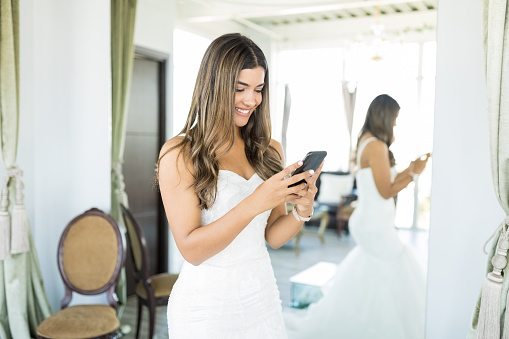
(286, 117)
(23, 301)
(496, 50)
(349, 89)
(123, 13)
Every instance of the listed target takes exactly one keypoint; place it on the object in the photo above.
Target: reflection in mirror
(334, 60)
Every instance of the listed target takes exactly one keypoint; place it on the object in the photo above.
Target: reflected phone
(312, 160)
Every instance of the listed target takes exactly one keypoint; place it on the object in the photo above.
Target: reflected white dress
(378, 290)
(234, 293)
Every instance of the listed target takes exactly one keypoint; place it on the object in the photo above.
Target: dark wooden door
(144, 137)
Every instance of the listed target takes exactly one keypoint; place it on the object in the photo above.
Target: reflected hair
(209, 132)
(380, 118)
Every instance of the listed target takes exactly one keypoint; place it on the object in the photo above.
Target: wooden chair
(333, 187)
(152, 290)
(90, 257)
(345, 210)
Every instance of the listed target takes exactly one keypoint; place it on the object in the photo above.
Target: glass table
(306, 287)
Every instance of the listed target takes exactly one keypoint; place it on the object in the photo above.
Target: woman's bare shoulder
(277, 146)
(171, 156)
(171, 145)
(375, 152)
(376, 143)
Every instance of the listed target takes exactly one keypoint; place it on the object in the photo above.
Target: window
(317, 120)
(405, 71)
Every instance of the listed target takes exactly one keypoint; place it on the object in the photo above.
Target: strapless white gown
(378, 290)
(234, 293)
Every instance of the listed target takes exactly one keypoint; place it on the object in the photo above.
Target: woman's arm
(198, 243)
(403, 175)
(376, 154)
(281, 227)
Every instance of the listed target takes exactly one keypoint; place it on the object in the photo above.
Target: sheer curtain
(349, 95)
(23, 300)
(286, 117)
(491, 317)
(123, 13)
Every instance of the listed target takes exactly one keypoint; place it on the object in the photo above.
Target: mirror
(330, 59)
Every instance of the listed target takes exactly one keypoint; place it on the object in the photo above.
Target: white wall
(65, 104)
(464, 210)
(65, 141)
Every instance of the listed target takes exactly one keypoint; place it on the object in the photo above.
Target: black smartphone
(312, 160)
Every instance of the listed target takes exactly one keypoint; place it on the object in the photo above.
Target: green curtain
(23, 300)
(123, 13)
(496, 55)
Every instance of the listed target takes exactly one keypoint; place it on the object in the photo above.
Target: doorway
(145, 134)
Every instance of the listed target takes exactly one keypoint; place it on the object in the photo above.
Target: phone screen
(312, 160)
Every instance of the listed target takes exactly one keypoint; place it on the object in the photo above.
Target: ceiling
(287, 20)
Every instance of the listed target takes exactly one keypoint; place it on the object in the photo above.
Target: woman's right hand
(418, 165)
(275, 191)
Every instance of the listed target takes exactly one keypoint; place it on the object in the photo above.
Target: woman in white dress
(379, 288)
(224, 191)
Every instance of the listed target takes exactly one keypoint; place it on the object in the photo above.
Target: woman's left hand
(305, 198)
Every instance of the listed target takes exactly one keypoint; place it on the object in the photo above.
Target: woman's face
(248, 94)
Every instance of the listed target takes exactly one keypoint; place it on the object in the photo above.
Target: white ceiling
(294, 20)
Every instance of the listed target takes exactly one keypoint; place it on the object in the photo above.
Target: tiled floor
(286, 263)
(130, 316)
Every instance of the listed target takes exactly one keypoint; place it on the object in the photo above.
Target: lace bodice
(250, 243)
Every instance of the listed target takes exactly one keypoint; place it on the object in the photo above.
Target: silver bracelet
(298, 217)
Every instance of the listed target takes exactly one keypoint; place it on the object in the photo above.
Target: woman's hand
(305, 197)
(275, 191)
(418, 165)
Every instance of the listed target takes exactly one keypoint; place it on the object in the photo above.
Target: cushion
(80, 321)
(347, 210)
(90, 253)
(162, 283)
(333, 187)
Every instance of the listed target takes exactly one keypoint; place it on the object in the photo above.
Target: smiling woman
(224, 191)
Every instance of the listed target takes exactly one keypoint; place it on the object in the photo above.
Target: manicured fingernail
(300, 162)
(311, 172)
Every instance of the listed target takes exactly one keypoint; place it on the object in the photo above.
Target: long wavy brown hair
(210, 127)
(380, 118)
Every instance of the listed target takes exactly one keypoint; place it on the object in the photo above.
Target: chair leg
(339, 227)
(152, 311)
(297, 239)
(138, 324)
(324, 221)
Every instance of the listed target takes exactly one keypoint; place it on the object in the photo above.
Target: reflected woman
(379, 288)
(224, 191)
